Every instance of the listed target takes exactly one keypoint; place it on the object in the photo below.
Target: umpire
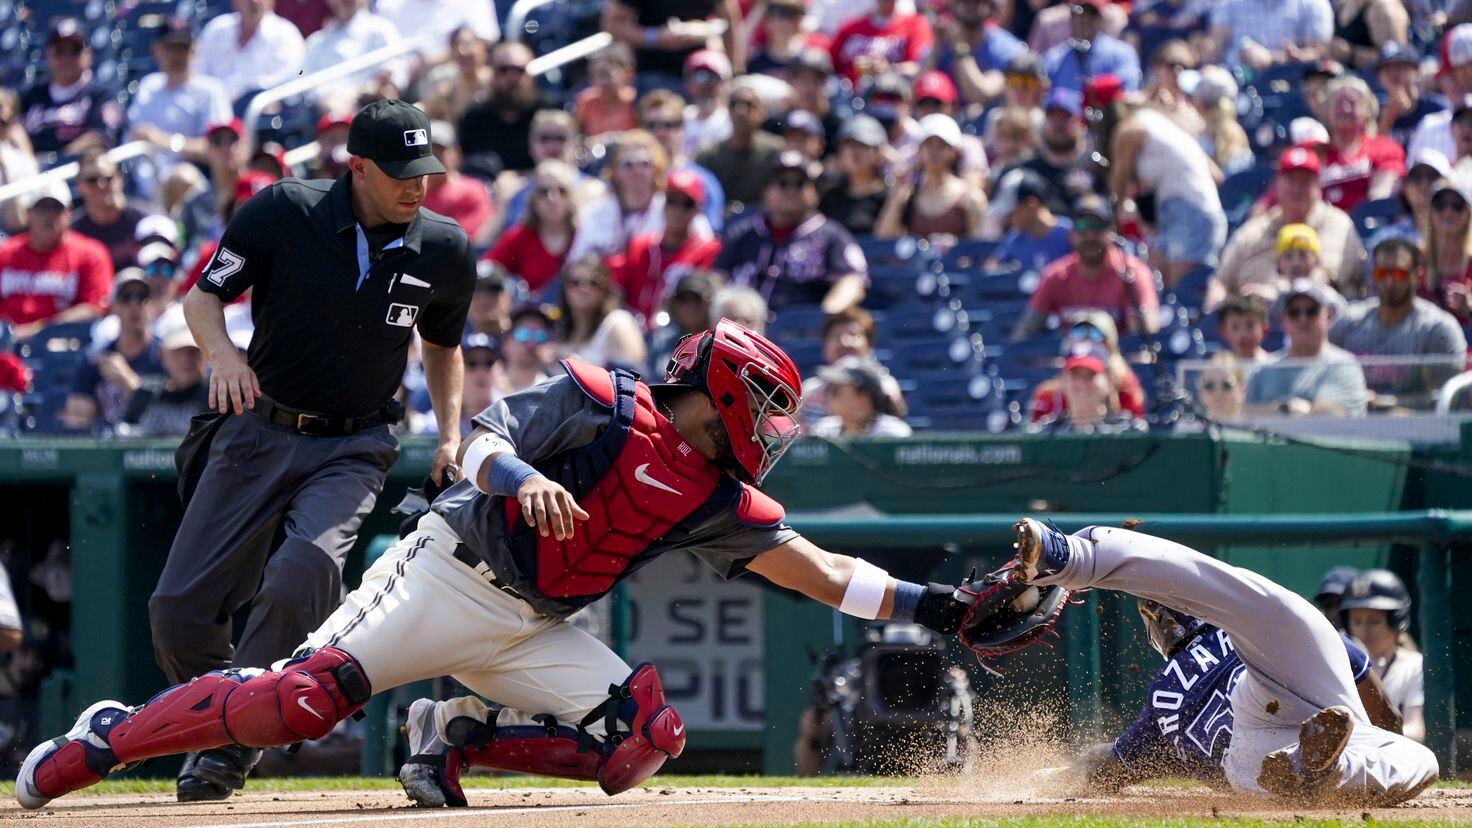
(297, 446)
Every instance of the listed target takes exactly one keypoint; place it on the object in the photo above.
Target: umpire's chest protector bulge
(637, 481)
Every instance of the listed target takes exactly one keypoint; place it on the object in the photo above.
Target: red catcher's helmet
(754, 385)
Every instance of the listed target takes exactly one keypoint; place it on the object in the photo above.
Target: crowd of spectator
(1289, 183)
(955, 214)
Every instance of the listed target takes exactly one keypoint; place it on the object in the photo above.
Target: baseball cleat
(226, 767)
(1278, 777)
(191, 788)
(1040, 550)
(69, 763)
(421, 783)
(1321, 740)
(423, 776)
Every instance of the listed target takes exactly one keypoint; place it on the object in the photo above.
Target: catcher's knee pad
(642, 732)
(254, 708)
(656, 731)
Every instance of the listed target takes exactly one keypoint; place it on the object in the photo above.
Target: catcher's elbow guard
(865, 593)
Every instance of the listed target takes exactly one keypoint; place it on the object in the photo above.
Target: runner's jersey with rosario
(1186, 724)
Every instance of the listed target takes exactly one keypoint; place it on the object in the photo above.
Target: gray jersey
(555, 417)
(1426, 331)
(1334, 376)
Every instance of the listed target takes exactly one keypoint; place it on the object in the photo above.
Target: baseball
(1028, 600)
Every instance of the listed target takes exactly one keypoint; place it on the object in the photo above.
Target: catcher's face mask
(1168, 630)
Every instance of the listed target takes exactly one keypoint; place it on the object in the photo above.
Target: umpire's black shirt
(331, 335)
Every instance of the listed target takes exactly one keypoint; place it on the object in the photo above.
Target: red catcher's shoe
(69, 763)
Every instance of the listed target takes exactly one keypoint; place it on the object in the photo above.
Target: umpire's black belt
(313, 424)
(464, 555)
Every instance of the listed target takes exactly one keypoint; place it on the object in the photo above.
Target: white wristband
(478, 452)
(865, 593)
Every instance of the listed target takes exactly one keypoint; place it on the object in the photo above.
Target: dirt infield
(656, 806)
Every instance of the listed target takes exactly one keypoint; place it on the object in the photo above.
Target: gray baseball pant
(260, 478)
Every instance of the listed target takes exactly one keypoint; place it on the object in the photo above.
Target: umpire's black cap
(395, 136)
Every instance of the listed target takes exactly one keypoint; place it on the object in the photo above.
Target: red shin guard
(624, 759)
(530, 750)
(656, 733)
(302, 701)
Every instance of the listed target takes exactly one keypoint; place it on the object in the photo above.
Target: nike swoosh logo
(677, 731)
(641, 474)
(301, 702)
(406, 279)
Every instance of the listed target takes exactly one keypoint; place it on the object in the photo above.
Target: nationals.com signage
(705, 635)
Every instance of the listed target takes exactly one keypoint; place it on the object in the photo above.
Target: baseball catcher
(567, 488)
(1258, 691)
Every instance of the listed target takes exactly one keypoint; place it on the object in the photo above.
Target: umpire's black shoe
(190, 788)
(216, 773)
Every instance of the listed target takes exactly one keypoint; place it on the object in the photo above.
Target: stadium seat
(1190, 291)
(968, 255)
(797, 323)
(1208, 326)
(931, 356)
(40, 411)
(958, 400)
(55, 353)
(995, 319)
(1372, 216)
(903, 325)
(1042, 350)
(998, 285)
(1281, 78)
(890, 252)
(807, 356)
(891, 285)
(1240, 190)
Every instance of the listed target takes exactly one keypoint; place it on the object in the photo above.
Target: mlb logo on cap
(395, 136)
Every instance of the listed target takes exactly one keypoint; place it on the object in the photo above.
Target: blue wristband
(907, 597)
(507, 474)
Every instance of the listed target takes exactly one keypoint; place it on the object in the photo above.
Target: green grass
(1100, 822)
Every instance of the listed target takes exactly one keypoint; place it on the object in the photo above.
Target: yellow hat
(1298, 237)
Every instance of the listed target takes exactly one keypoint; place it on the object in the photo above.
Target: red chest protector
(637, 482)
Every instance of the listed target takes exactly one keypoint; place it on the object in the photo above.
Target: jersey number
(1214, 720)
(225, 265)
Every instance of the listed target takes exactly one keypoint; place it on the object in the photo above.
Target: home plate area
(948, 798)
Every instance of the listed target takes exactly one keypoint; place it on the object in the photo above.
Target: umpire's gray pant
(260, 478)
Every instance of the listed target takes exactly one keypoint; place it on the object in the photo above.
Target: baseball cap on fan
(1456, 47)
(687, 184)
(395, 136)
(51, 194)
(1298, 159)
(1086, 354)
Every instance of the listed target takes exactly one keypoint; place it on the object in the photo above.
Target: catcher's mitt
(1007, 614)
